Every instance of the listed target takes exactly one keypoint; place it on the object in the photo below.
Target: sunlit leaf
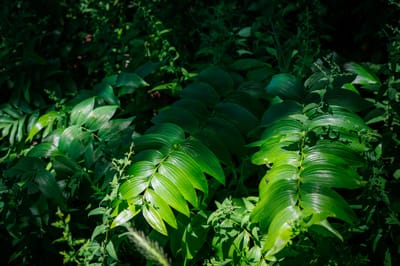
(123, 217)
(204, 158)
(166, 189)
(154, 219)
(99, 116)
(159, 204)
(44, 121)
(364, 77)
(181, 180)
(81, 111)
(189, 166)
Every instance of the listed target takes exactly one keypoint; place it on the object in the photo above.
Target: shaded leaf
(286, 86)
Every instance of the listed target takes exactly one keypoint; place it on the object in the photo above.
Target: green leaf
(364, 77)
(100, 116)
(42, 150)
(181, 180)
(111, 250)
(339, 119)
(162, 137)
(154, 219)
(113, 128)
(330, 175)
(321, 199)
(202, 92)
(48, 186)
(280, 111)
(274, 198)
(129, 83)
(44, 121)
(105, 90)
(170, 193)
(220, 80)
(179, 116)
(286, 86)
(280, 232)
(243, 119)
(73, 141)
(123, 217)
(81, 112)
(204, 158)
(139, 180)
(189, 166)
(161, 206)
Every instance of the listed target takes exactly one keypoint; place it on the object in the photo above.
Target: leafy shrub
(113, 153)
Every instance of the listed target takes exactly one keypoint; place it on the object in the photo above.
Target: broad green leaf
(98, 230)
(166, 189)
(326, 151)
(201, 91)
(286, 86)
(154, 219)
(189, 166)
(210, 139)
(142, 169)
(48, 186)
(277, 173)
(339, 118)
(63, 162)
(148, 68)
(11, 111)
(124, 216)
(280, 111)
(129, 83)
(330, 175)
(364, 77)
(152, 141)
(81, 111)
(97, 211)
(161, 206)
(273, 152)
(179, 116)
(281, 231)
(244, 32)
(324, 200)
(105, 90)
(44, 121)
(274, 198)
(42, 150)
(261, 75)
(219, 79)
(227, 134)
(203, 157)
(73, 141)
(181, 180)
(347, 99)
(21, 129)
(290, 129)
(111, 250)
(133, 187)
(195, 107)
(172, 132)
(100, 116)
(238, 115)
(113, 128)
(153, 156)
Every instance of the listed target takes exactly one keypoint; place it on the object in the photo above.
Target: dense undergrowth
(226, 133)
